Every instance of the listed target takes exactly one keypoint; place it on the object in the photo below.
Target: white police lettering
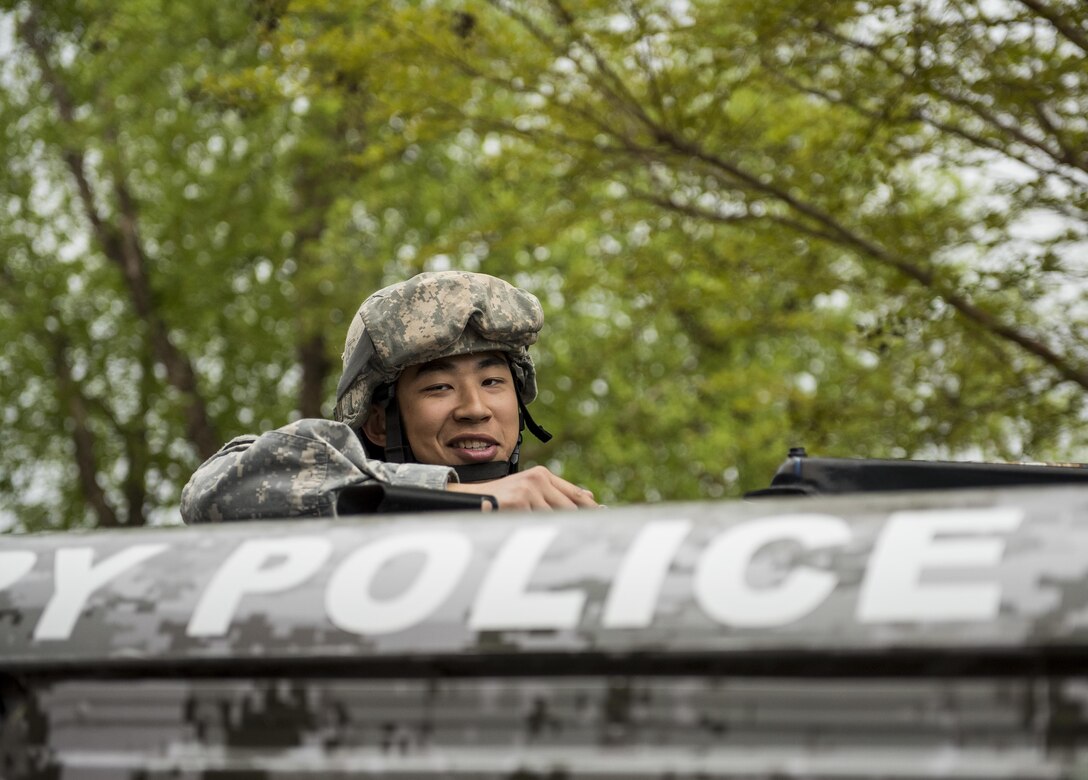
(504, 602)
(75, 578)
(925, 567)
(246, 572)
(721, 584)
(14, 565)
(635, 590)
(908, 548)
(350, 604)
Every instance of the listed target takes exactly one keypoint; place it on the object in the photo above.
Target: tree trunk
(315, 368)
(121, 244)
(72, 400)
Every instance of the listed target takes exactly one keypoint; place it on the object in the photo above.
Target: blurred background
(861, 227)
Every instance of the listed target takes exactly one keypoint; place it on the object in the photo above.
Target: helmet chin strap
(484, 472)
(398, 450)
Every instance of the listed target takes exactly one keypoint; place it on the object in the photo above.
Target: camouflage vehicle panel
(900, 635)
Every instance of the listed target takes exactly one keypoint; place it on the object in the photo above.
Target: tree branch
(606, 82)
(619, 92)
(835, 231)
(1047, 123)
(1074, 35)
(919, 115)
(316, 365)
(659, 85)
(83, 438)
(122, 245)
(974, 107)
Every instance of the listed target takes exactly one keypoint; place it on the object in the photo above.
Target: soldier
(437, 377)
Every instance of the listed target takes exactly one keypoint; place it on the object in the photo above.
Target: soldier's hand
(536, 488)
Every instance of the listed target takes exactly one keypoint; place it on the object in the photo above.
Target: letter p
(247, 571)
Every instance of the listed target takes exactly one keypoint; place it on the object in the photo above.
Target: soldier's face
(460, 410)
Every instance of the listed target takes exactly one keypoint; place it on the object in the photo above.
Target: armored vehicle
(893, 635)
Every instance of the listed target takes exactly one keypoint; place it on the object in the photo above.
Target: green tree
(860, 228)
(835, 215)
(161, 236)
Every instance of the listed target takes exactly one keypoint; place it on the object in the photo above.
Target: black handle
(381, 498)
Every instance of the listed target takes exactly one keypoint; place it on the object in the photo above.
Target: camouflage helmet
(432, 315)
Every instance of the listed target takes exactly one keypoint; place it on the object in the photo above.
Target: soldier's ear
(374, 427)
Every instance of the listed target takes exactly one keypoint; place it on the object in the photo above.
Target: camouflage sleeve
(295, 471)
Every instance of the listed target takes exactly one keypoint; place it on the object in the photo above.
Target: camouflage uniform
(300, 469)
(295, 471)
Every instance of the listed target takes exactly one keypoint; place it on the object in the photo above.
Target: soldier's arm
(294, 471)
(536, 488)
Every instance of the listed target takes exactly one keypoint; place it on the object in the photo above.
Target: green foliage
(858, 227)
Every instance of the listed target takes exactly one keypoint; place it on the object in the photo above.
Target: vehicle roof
(1002, 570)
